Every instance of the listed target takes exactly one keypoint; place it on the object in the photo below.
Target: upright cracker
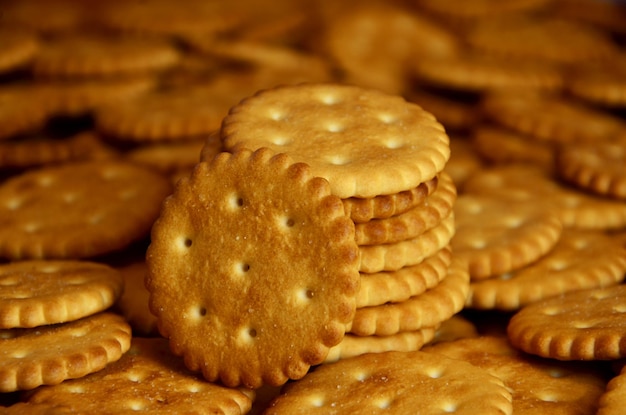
(147, 378)
(363, 210)
(394, 256)
(428, 309)
(252, 269)
(78, 210)
(579, 325)
(579, 260)
(49, 355)
(364, 142)
(495, 236)
(539, 386)
(36, 293)
(133, 303)
(413, 222)
(395, 383)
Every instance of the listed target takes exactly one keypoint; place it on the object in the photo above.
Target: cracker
(612, 401)
(40, 150)
(133, 303)
(78, 221)
(51, 354)
(425, 310)
(185, 112)
(412, 223)
(576, 208)
(36, 293)
(478, 9)
(364, 142)
(455, 328)
(551, 118)
(579, 325)
(169, 157)
(147, 378)
(396, 286)
(18, 47)
(542, 38)
(406, 341)
(579, 260)
(363, 210)
(538, 386)
(83, 55)
(475, 72)
(600, 83)
(512, 147)
(392, 257)
(599, 168)
(454, 114)
(78, 97)
(249, 323)
(49, 17)
(464, 161)
(24, 107)
(495, 236)
(389, 37)
(395, 383)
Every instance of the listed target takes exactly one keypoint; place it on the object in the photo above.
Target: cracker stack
(384, 157)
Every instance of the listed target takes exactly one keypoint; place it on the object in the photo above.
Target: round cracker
(396, 286)
(412, 223)
(579, 325)
(579, 260)
(392, 257)
(78, 210)
(282, 261)
(36, 293)
(49, 355)
(428, 309)
(539, 386)
(364, 142)
(147, 378)
(133, 303)
(395, 383)
(406, 341)
(495, 236)
(613, 401)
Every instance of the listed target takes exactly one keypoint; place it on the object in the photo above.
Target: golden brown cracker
(363, 210)
(392, 257)
(49, 355)
(73, 55)
(356, 138)
(24, 107)
(18, 47)
(168, 157)
(495, 236)
(147, 378)
(36, 293)
(579, 325)
(576, 209)
(455, 328)
(464, 161)
(395, 383)
(78, 210)
(412, 223)
(612, 400)
(598, 168)
(397, 286)
(406, 341)
(538, 386)
(133, 303)
(240, 325)
(428, 309)
(551, 118)
(579, 260)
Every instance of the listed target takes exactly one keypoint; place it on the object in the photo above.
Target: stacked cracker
(384, 157)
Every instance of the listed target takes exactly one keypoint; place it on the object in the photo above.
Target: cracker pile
(312, 207)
